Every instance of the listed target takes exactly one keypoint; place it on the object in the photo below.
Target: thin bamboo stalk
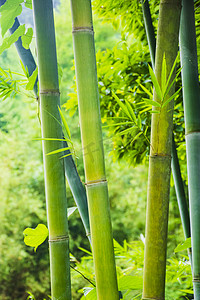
(178, 182)
(71, 173)
(93, 155)
(53, 165)
(160, 160)
(191, 98)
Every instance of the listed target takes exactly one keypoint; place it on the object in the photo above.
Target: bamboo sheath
(178, 182)
(53, 165)
(93, 155)
(160, 160)
(191, 98)
(75, 184)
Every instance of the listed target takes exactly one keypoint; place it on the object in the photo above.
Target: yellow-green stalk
(160, 159)
(93, 154)
(53, 166)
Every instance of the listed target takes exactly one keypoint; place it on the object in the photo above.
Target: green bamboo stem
(75, 184)
(93, 155)
(178, 182)
(54, 166)
(149, 30)
(191, 97)
(160, 160)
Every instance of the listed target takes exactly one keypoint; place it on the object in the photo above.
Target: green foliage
(9, 11)
(7, 42)
(27, 38)
(35, 237)
(183, 246)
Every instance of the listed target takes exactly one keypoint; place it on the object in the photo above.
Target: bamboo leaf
(118, 124)
(27, 38)
(35, 237)
(137, 136)
(9, 11)
(7, 42)
(90, 293)
(123, 107)
(28, 4)
(139, 121)
(130, 282)
(156, 84)
(58, 150)
(147, 91)
(183, 246)
(125, 131)
(70, 210)
(31, 80)
(152, 102)
(163, 74)
(65, 123)
(170, 76)
(131, 111)
(171, 98)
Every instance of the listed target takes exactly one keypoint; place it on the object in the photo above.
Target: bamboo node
(83, 29)
(160, 155)
(196, 280)
(98, 181)
(50, 92)
(59, 239)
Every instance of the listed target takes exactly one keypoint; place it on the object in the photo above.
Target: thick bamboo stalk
(160, 160)
(75, 184)
(91, 133)
(178, 182)
(191, 98)
(54, 166)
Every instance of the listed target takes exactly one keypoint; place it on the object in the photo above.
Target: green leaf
(171, 98)
(28, 4)
(35, 237)
(70, 210)
(32, 80)
(7, 42)
(156, 84)
(163, 74)
(183, 246)
(9, 11)
(90, 293)
(58, 150)
(131, 111)
(27, 38)
(128, 282)
(152, 102)
(187, 291)
(170, 76)
(64, 123)
(147, 91)
(123, 107)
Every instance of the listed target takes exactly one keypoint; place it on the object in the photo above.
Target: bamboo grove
(176, 31)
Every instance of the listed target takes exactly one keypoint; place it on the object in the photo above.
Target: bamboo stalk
(191, 98)
(71, 173)
(93, 155)
(160, 160)
(54, 166)
(178, 182)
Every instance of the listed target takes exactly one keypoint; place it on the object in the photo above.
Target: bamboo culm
(55, 188)
(178, 182)
(191, 100)
(93, 155)
(160, 159)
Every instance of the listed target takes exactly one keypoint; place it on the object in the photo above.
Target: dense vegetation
(122, 62)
